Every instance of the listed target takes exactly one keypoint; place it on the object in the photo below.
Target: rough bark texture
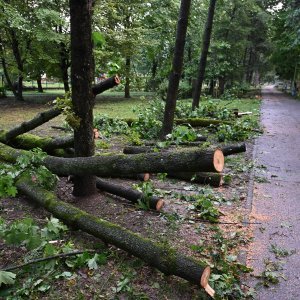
(233, 149)
(29, 141)
(128, 193)
(127, 78)
(185, 160)
(39, 84)
(105, 85)
(38, 120)
(164, 258)
(140, 177)
(204, 53)
(213, 179)
(199, 122)
(177, 64)
(82, 68)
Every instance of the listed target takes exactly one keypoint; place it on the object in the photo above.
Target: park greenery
(165, 54)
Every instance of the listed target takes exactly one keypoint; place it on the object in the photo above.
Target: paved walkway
(277, 203)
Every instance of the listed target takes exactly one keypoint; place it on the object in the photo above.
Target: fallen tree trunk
(234, 149)
(140, 177)
(201, 122)
(165, 259)
(128, 193)
(29, 141)
(106, 85)
(213, 179)
(185, 160)
(38, 120)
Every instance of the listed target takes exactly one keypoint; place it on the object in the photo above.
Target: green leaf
(7, 277)
(92, 263)
(98, 39)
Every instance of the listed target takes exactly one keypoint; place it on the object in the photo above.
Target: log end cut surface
(219, 160)
(160, 203)
(204, 282)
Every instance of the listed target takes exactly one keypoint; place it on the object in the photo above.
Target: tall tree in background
(177, 64)
(204, 53)
(82, 71)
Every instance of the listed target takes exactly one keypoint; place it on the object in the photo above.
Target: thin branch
(61, 255)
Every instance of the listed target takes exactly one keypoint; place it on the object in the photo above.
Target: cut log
(185, 160)
(199, 122)
(234, 149)
(128, 193)
(106, 85)
(29, 141)
(151, 147)
(140, 177)
(213, 179)
(38, 120)
(166, 259)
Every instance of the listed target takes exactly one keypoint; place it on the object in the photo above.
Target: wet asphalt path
(276, 204)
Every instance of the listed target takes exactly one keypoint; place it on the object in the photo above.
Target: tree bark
(204, 53)
(233, 149)
(177, 64)
(192, 160)
(105, 85)
(19, 61)
(127, 78)
(165, 259)
(64, 62)
(29, 141)
(82, 73)
(39, 83)
(199, 122)
(128, 193)
(213, 179)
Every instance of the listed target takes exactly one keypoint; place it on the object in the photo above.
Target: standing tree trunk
(20, 65)
(177, 64)
(39, 83)
(64, 62)
(82, 69)
(127, 79)
(204, 53)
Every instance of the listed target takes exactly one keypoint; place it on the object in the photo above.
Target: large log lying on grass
(29, 141)
(38, 120)
(166, 259)
(213, 179)
(201, 122)
(128, 193)
(140, 177)
(185, 160)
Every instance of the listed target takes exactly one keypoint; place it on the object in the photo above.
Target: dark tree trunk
(82, 68)
(7, 78)
(17, 55)
(204, 53)
(211, 87)
(127, 79)
(39, 84)
(177, 64)
(221, 85)
(64, 62)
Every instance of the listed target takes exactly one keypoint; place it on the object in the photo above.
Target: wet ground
(276, 198)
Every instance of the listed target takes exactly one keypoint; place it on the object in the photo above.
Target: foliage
(107, 126)
(43, 242)
(240, 131)
(148, 192)
(149, 121)
(182, 134)
(28, 164)
(207, 211)
(66, 106)
(2, 92)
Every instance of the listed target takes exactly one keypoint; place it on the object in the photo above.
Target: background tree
(204, 53)
(176, 71)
